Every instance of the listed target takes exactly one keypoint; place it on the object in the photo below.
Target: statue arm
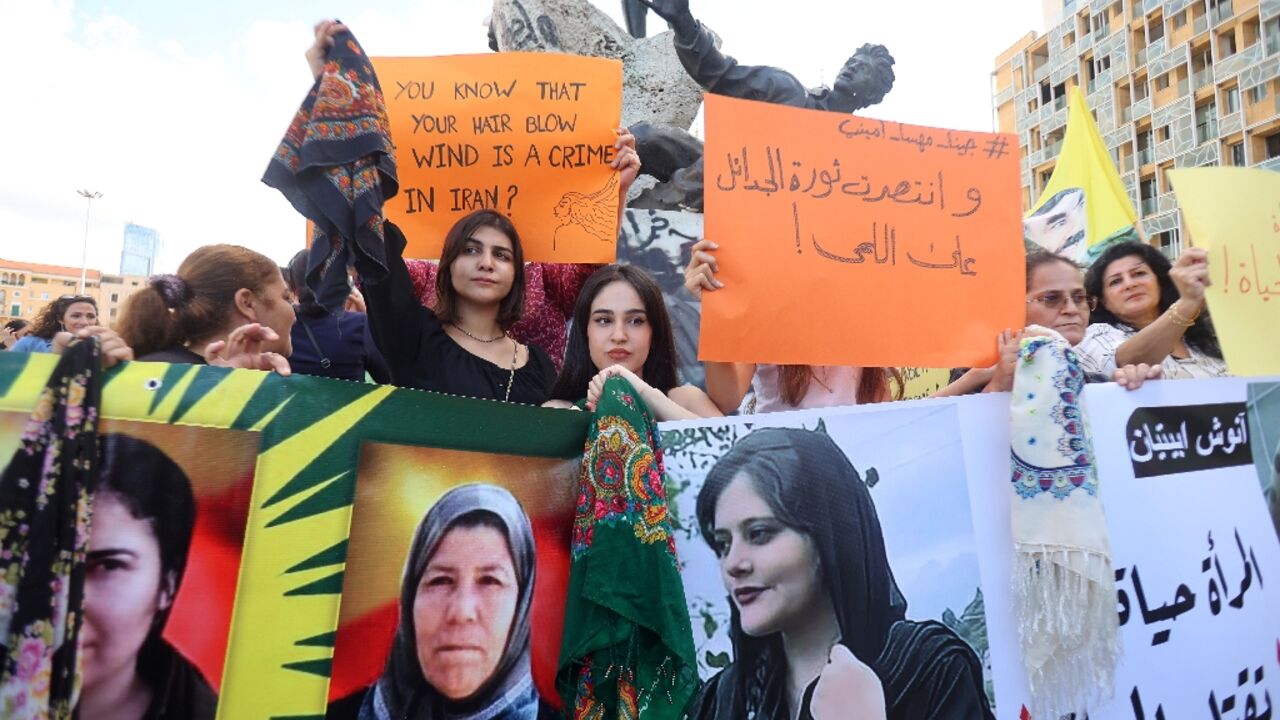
(721, 74)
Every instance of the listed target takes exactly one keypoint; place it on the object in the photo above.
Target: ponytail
(196, 303)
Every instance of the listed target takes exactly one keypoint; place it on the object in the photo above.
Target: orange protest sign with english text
(528, 134)
(851, 241)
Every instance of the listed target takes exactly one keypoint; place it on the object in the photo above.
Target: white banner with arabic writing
(1195, 552)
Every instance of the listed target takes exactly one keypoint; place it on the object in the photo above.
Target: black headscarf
(812, 487)
(402, 689)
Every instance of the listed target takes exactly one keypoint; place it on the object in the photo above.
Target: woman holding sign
(1151, 311)
(817, 622)
(783, 387)
(620, 327)
(547, 291)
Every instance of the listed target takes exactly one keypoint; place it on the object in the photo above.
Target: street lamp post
(84, 255)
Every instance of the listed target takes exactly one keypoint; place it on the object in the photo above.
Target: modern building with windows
(140, 251)
(1172, 83)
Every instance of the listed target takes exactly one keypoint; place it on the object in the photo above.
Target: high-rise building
(140, 251)
(1172, 83)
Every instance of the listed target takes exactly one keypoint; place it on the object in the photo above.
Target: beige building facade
(1172, 83)
(25, 288)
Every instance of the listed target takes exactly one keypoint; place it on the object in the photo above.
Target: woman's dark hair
(454, 243)
(154, 489)
(296, 277)
(659, 367)
(1200, 335)
(16, 325)
(812, 488)
(1037, 259)
(197, 302)
(49, 322)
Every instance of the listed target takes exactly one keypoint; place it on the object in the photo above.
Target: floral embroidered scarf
(336, 166)
(45, 511)
(627, 649)
(1064, 589)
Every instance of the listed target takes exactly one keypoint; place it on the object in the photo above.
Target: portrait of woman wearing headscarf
(818, 625)
(461, 649)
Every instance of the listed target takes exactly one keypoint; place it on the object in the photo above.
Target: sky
(172, 110)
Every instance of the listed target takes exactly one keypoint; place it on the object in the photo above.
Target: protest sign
(308, 491)
(851, 241)
(528, 134)
(1194, 597)
(1244, 258)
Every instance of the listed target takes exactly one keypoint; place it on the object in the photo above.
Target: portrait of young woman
(817, 623)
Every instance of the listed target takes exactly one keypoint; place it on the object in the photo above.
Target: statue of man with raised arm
(863, 81)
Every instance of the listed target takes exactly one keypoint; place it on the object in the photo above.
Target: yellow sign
(1234, 213)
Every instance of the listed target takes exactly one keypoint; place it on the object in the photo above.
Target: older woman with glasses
(1057, 301)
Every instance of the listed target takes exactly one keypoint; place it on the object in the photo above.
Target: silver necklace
(515, 357)
(478, 339)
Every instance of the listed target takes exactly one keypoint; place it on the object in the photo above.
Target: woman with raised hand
(620, 327)
(817, 622)
(1150, 311)
(227, 305)
(548, 290)
(1057, 302)
(783, 387)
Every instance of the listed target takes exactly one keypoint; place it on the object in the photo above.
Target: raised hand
(319, 50)
(1190, 275)
(675, 12)
(701, 272)
(626, 161)
(243, 349)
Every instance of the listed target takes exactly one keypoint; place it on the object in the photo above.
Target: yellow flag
(1084, 206)
(1234, 213)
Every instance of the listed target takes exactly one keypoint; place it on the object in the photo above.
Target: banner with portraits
(296, 546)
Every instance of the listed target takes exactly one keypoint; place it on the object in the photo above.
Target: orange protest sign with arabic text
(850, 241)
(528, 134)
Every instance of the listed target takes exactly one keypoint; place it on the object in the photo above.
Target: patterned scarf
(336, 165)
(45, 513)
(627, 649)
(1064, 589)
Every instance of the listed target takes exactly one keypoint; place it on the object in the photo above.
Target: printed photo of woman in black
(817, 623)
(144, 513)
(462, 646)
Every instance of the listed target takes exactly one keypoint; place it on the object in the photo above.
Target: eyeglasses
(78, 298)
(1054, 300)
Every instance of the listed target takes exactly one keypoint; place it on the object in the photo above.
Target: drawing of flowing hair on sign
(593, 215)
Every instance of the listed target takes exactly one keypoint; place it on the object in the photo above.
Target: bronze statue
(864, 80)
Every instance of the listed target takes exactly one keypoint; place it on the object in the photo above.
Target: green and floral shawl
(627, 650)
